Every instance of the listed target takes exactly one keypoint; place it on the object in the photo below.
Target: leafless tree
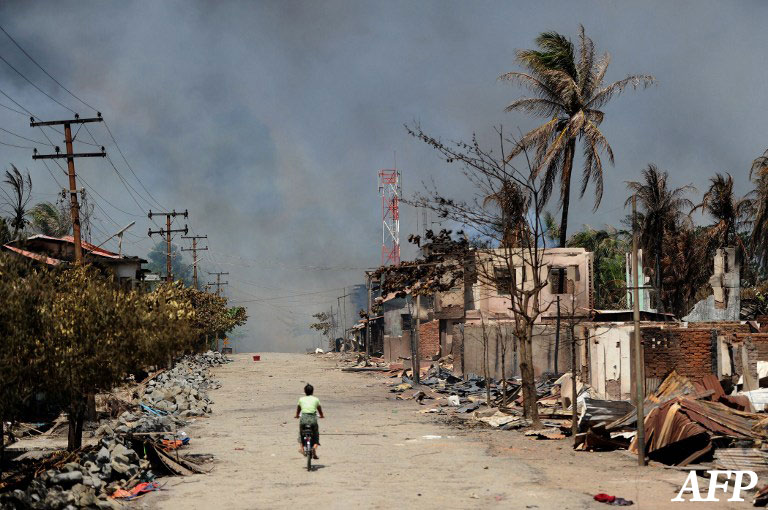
(512, 223)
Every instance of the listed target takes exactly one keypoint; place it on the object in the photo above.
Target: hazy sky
(269, 120)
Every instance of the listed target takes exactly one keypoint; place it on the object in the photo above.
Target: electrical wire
(36, 87)
(25, 138)
(43, 70)
(120, 151)
(17, 146)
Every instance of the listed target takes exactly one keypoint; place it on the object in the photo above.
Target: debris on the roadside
(131, 451)
(612, 500)
(550, 433)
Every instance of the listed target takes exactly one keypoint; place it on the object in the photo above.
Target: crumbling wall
(396, 347)
(756, 346)
(429, 340)
(725, 302)
(543, 350)
(689, 351)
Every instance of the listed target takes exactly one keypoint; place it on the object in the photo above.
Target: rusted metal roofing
(34, 256)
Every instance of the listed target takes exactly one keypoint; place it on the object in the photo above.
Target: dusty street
(378, 452)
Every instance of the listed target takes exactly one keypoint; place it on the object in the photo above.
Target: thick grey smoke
(269, 120)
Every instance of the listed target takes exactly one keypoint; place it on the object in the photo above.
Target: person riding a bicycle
(307, 410)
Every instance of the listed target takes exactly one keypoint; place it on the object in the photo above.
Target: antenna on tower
(390, 191)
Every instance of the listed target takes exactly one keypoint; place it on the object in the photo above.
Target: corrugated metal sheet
(750, 459)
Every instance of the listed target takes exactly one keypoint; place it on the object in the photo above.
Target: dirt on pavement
(378, 452)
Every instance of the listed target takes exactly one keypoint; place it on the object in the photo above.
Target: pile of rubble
(131, 450)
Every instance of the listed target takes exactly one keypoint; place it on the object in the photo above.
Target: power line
(36, 87)
(25, 138)
(109, 131)
(43, 70)
(17, 146)
(12, 109)
(120, 151)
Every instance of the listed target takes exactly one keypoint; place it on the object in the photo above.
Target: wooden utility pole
(194, 250)
(218, 283)
(70, 155)
(639, 362)
(167, 232)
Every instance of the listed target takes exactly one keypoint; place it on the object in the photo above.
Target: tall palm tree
(18, 198)
(730, 213)
(661, 215)
(50, 220)
(759, 175)
(569, 92)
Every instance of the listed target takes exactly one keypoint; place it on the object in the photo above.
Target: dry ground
(378, 452)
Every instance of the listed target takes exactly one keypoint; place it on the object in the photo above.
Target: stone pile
(178, 393)
(183, 390)
(82, 484)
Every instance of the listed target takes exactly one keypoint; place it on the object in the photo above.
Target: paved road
(378, 452)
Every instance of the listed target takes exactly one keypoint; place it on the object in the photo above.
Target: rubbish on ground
(401, 387)
(551, 433)
(596, 412)
(454, 400)
(613, 500)
(85, 478)
(680, 431)
(256, 357)
(504, 421)
(136, 492)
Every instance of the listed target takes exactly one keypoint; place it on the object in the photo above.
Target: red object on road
(256, 357)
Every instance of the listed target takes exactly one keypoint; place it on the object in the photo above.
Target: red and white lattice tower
(390, 191)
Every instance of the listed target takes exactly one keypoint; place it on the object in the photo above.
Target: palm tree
(18, 199)
(661, 214)
(570, 93)
(5, 232)
(759, 242)
(730, 214)
(608, 247)
(49, 220)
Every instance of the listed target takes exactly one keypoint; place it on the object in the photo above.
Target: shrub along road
(378, 452)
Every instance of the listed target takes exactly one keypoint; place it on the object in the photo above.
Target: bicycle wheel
(309, 460)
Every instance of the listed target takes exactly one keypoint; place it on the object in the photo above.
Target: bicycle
(306, 435)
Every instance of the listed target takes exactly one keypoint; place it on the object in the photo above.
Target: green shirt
(309, 404)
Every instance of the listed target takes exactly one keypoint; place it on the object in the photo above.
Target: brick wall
(686, 350)
(429, 340)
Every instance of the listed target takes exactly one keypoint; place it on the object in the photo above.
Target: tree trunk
(75, 432)
(530, 408)
(566, 191)
(2, 447)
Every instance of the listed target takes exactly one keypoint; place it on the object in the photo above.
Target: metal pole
(368, 322)
(417, 342)
(557, 336)
(639, 378)
(574, 395)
